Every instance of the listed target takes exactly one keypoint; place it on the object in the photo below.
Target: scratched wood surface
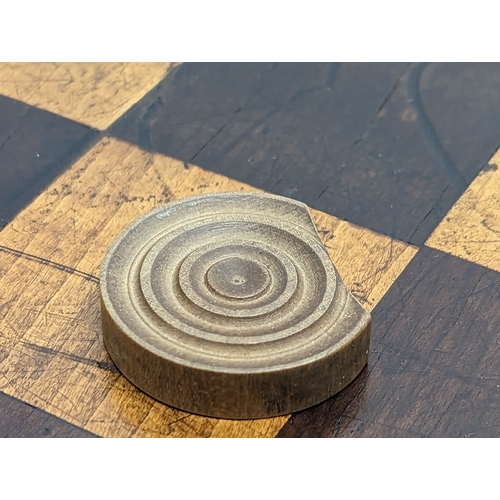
(35, 147)
(19, 419)
(390, 147)
(471, 229)
(95, 94)
(52, 252)
(434, 365)
(397, 162)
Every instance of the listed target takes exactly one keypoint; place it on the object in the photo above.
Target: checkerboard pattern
(396, 161)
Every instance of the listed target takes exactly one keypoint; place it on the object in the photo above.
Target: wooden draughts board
(397, 162)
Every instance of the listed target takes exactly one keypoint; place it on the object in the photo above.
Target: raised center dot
(238, 278)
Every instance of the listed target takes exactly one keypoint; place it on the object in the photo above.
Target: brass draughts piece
(228, 305)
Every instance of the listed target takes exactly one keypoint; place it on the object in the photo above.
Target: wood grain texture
(471, 229)
(95, 94)
(434, 364)
(51, 348)
(19, 420)
(390, 147)
(35, 147)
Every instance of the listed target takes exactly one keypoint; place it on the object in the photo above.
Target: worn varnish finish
(388, 146)
(20, 420)
(433, 371)
(228, 305)
(471, 229)
(54, 357)
(92, 93)
(391, 147)
(35, 147)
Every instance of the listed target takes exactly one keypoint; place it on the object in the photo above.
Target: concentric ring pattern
(221, 304)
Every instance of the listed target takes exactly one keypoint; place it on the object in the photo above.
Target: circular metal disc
(228, 305)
